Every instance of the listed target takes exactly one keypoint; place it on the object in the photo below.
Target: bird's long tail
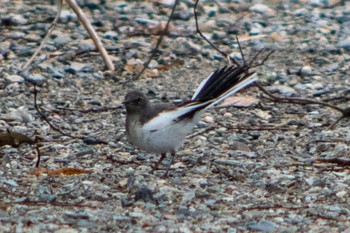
(219, 85)
(222, 83)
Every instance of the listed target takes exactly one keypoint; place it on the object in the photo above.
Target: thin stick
(81, 16)
(145, 65)
(53, 24)
(294, 100)
(45, 119)
(39, 156)
(206, 39)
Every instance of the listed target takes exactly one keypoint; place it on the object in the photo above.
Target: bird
(162, 127)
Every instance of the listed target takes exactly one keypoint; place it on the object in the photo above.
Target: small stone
(341, 194)
(331, 68)
(306, 70)
(261, 9)
(153, 64)
(254, 31)
(208, 119)
(16, 19)
(284, 90)
(344, 43)
(228, 115)
(9, 182)
(240, 146)
(76, 67)
(5, 47)
(111, 35)
(146, 22)
(62, 39)
(67, 15)
(264, 225)
(15, 79)
(36, 79)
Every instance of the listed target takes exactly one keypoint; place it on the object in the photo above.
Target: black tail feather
(220, 82)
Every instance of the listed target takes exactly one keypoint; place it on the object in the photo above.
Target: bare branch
(295, 100)
(145, 65)
(80, 14)
(206, 39)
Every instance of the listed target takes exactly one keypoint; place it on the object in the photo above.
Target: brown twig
(338, 161)
(83, 19)
(208, 41)
(145, 65)
(304, 101)
(45, 119)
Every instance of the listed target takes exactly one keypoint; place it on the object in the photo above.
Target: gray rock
(145, 21)
(264, 226)
(306, 70)
(62, 39)
(15, 79)
(284, 90)
(10, 182)
(15, 19)
(344, 43)
(67, 15)
(183, 46)
(111, 35)
(261, 9)
(36, 79)
(5, 47)
(254, 31)
(331, 68)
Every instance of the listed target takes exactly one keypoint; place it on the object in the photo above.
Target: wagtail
(162, 128)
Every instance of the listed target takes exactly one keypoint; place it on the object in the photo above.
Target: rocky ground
(250, 166)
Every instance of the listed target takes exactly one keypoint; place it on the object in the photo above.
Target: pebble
(5, 47)
(306, 70)
(15, 19)
(15, 79)
(254, 31)
(36, 79)
(182, 46)
(62, 39)
(147, 22)
(284, 90)
(341, 194)
(261, 9)
(264, 226)
(67, 15)
(344, 43)
(10, 182)
(83, 152)
(331, 68)
(208, 119)
(111, 35)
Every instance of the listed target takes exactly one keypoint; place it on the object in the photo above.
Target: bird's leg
(155, 167)
(169, 165)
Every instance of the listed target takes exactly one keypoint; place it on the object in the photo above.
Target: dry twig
(145, 65)
(81, 16)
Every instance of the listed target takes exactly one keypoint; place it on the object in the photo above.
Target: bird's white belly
(162, 139)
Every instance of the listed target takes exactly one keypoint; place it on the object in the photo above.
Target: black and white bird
(162, 128)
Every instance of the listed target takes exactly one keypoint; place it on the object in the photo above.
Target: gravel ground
(248, 167)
